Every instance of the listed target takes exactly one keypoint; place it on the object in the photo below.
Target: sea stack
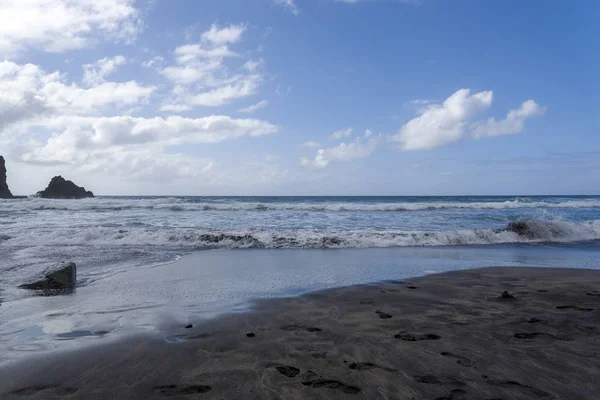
(59, 188)
(4, 190)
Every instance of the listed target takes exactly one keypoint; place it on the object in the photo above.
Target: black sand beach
(445, 336)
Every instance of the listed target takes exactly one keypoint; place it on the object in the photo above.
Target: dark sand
(446, 336)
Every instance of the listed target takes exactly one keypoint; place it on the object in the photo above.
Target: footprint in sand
(316, 353)
(295, 327)
(409, 337)
(572, 307)
(533, 335)
(464, 361)
(286, 370)
(434, 380)
(49, 389)
(456, 394)
(365, 366)
(517, 385)
(175, 390)
(383, 315)
(313, 380)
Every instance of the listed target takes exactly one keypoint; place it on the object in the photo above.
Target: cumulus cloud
(342, 133)
(440, 124)
(513, 123)
(254, 107)
(202, 75)
(444, 123)
(94, 74)
(75, 139)
(220, 36)
(289, 5)
(143, 164)
(27, 91)
(342, 153)
(62, 25)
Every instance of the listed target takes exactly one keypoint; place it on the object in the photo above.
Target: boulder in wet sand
(59, 280)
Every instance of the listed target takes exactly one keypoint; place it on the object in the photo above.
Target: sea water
(145, 263)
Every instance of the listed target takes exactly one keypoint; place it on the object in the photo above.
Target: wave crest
(530, 231)
(193, 205)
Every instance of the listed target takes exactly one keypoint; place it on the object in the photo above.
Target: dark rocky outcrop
(59, 188)
(521, 228)
(56, 282)
(4, 190)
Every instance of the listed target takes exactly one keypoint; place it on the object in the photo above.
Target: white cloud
(368, 133)
(201, 76)
(26, 91)
(241, 86)
(441, 124)
(73, 99)
(186, 75)
(61, 25)
(513, 123)
(221, 36)
(143, 164)
(341, 153)
(94, 74)
(341, 133)
(176, 108)
(154, 61)
(288, 4)
(75, 139)
(254, 107)
(311, 144)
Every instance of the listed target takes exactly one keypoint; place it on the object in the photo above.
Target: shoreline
(446, 335)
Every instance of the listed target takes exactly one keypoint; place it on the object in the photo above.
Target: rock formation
(62, 279)
(59, 188)
(4, 191)
(521, 228)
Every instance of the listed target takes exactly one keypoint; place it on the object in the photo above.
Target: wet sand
(445, 336)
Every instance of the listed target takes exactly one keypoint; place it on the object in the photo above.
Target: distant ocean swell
(531, 231)
(182, 204)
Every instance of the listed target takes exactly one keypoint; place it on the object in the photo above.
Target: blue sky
(299, 97)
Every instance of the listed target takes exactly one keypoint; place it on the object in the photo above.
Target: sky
(301, 97)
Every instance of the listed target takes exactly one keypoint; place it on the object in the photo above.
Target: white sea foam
(190, 205)
(536, 232)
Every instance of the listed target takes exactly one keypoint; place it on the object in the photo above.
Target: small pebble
(250, 334)
(532, 320)
(188, 326)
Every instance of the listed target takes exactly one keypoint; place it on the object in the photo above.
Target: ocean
(149, 262)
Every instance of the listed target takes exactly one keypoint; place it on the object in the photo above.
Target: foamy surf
(531, 231)
(192, 204)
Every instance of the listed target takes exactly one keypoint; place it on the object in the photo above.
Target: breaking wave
(190, 205)
(530, 231)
